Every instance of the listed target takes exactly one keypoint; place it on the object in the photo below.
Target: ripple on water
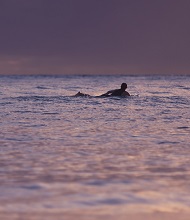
(64, 153)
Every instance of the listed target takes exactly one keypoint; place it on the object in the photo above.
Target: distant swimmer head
(123, 86)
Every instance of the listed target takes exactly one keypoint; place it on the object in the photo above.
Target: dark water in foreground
(95, 156)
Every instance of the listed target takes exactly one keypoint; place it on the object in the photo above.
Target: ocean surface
(93, 157)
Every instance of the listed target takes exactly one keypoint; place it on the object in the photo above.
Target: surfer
(115, 92)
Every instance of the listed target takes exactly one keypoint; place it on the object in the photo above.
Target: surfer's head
(123, 86)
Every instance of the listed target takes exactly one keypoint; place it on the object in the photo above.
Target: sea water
(87, 156)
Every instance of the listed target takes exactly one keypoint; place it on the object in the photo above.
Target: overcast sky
(94, 36)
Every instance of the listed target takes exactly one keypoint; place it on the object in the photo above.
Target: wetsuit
(116, 92)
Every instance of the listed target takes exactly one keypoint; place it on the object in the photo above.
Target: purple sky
(95, 36)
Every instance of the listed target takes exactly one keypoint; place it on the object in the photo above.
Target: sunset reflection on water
(74, 156)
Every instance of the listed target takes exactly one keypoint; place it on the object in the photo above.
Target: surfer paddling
(115, 92)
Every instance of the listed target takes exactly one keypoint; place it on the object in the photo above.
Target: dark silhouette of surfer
(115, 92)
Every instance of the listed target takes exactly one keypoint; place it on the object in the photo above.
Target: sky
(95, 37)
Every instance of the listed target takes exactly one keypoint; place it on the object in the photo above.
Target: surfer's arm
(125, 94)
(108, 93)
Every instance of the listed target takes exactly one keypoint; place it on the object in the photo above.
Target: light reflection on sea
(99, 156)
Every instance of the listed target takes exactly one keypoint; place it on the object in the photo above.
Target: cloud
(106, 36)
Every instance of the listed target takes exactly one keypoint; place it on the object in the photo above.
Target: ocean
(66, 157)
